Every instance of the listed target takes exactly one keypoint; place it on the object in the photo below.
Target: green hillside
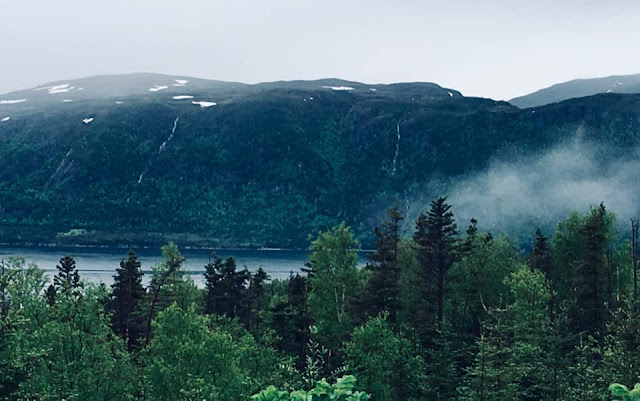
(267, 165)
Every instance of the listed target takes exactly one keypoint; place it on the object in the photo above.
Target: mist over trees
(437, 313)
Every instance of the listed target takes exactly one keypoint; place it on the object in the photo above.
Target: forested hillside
(139, 159)
(446, 313)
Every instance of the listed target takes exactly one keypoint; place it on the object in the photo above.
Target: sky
(489, 48)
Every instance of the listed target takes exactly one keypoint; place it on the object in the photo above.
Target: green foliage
(382, 292)
(226, 288)
(385, 362)
(512, 360)
(621, 392)
(342, 390)
(73, 354)
(334, 281)
(126, 303)
(479, 285)
(186, 356)
(435, 237)
(509, 330)
(189, 358)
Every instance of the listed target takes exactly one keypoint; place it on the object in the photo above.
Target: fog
(517, 195)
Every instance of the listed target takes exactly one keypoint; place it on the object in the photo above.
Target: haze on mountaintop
(498, 49)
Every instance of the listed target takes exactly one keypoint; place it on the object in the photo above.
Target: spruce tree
(226, 288)
(542, 260)
(291, 321)
(255, 299)
(50, 295)
(67, 280)
(382, 291)
(592, 292)
(435, 236)
(127, 293)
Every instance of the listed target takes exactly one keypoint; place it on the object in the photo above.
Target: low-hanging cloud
(545, 188)
(517, 194)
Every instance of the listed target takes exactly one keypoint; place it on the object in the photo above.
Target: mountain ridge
(268, 165)
(577, 88)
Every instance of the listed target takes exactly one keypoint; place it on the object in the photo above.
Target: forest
(442, 311)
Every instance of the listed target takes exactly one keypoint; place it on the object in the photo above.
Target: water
(99, 264)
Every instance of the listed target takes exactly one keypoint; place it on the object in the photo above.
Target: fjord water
(99, 264)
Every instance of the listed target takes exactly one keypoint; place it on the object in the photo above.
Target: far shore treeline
(446, 312)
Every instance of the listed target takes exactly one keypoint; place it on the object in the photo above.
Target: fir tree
(67, 280)
(226, 288)
(436, 239)
(255, 299)
(542, 260)
(592, 292)
(382, 293)
(127, 293)
(50, 295)
(291, 321)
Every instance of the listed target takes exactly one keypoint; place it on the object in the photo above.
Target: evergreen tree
(226, 288)
(622, 346)
(437, 251)
(50, 295)
(512, 361)
(634, 256)
(256, 300)
(542, 260)
(291, 321)
(441, 369)
(67, 280)
(586, 375)
(382, 291)
(592, 282)
(127, 295)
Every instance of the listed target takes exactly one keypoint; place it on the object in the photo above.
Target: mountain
(141, 158)
(579, 88)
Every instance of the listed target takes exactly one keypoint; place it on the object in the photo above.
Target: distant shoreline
(122, 246)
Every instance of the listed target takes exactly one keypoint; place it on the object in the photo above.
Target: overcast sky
(490, 48)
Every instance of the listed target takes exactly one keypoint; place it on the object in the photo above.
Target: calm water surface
(99, 264)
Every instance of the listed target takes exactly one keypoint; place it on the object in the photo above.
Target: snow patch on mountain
(202, 103)
(339, 88)
(158, 88)
(12, 101)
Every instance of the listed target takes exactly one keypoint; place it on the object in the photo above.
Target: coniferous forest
(440, 311)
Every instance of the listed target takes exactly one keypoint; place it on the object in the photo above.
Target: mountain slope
(579, 88)
(267, 164)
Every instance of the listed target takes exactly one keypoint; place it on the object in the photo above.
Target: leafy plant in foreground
(341, 391)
